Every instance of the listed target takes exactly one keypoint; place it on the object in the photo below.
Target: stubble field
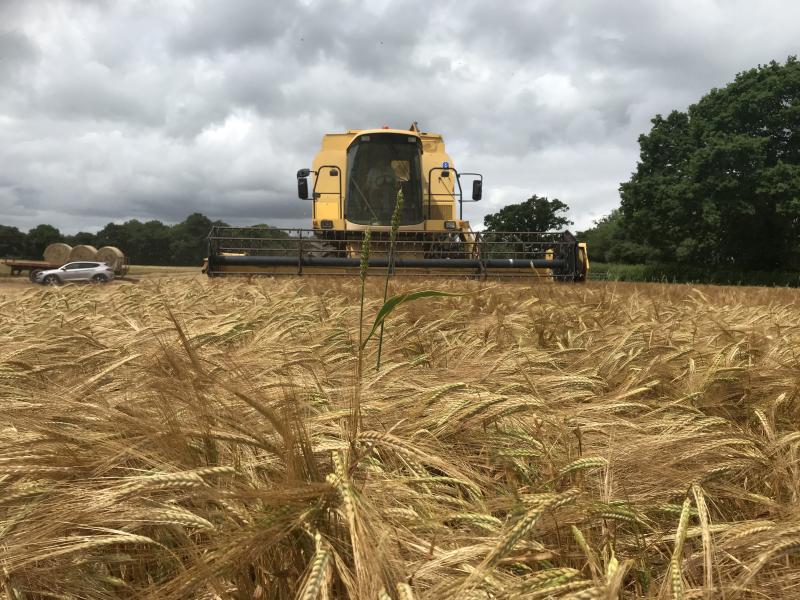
(197, 439)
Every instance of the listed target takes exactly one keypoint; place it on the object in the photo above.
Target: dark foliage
(535, 214)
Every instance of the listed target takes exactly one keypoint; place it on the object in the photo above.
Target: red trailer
(32, 266)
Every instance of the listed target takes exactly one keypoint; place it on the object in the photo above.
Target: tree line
(145, 243)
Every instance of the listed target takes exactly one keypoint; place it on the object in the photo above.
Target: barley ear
(705, 530)
(676, 577)
(316, 573)
(594, 564)
(404, 592)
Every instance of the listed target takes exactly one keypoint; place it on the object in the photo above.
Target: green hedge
(672, 273)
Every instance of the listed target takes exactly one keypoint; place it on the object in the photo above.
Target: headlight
(449, 224)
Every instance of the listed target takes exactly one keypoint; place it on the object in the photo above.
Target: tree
(603, 238)
(13, 242)
(607, 242)
(82, 237)
(143, 243)
(117, 235)
(188, 244)
(535, 214)
(40, 237)
(720, 183)
(151, 242)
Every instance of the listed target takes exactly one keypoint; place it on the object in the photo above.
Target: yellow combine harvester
(357, 179)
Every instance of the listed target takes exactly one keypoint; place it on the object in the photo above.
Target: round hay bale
(57, 254)
(111, 255)
(83, 252)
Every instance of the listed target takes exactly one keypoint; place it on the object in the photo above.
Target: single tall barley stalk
(398, 209)
(355, 409)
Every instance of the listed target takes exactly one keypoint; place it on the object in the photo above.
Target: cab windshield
(379, 165)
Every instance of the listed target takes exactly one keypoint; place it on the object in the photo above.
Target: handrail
(452, 195)
(314, 192)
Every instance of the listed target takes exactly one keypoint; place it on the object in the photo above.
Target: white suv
(96, 272)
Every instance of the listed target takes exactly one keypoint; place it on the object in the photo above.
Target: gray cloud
(17, 53)
(227, 27)
(116, 110)
(15, 47)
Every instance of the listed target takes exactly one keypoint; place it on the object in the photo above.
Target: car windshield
(378, 166)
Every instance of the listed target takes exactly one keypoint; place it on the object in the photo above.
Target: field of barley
(190, 438)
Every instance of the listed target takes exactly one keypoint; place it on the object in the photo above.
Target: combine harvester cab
(357, 180)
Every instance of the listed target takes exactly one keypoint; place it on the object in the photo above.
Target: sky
(154, 109)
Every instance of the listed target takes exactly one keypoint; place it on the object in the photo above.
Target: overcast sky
(153, 109)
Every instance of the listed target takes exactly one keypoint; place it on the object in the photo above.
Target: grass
(675, 273)
(191, 439)
(139, 270)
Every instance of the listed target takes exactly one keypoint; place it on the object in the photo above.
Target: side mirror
(302, 188)
(303, 173)
(477, 189)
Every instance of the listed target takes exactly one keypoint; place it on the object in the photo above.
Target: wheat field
(213, 439)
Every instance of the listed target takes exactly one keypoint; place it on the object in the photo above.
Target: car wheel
(99, 278)
(51, 280)
(33, 274)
